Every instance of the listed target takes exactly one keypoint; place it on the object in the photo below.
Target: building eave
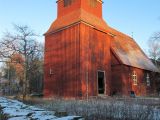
(101, 1)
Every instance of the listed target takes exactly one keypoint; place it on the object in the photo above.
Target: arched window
(134, 77)
(148, 79)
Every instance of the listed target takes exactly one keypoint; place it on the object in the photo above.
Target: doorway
(101, 82)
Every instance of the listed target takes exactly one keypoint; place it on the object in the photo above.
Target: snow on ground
(18, 111)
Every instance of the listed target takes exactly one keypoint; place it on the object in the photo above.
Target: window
(68, 2)
(134, 78)
(132, 94)
(148, 79)
(93, 3)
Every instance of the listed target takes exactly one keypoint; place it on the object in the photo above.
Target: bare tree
(23, 42)
(35, 71)
(154, 46)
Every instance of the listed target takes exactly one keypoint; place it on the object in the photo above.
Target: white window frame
(134, 78)
(148, 80)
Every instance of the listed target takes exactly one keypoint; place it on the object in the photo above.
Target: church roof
(77, 16)
(125, 48)
(129, 52)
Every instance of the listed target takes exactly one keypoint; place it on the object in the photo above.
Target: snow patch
(19, 111)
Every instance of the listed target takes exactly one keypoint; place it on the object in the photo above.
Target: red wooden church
(85, 57)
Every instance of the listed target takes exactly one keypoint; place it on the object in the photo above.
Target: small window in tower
(134, 78)
(68, 2)
(148, 79)
(93, 3)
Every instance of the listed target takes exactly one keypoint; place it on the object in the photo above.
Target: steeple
(67, 6)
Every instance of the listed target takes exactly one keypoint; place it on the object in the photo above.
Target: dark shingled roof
(126, 49)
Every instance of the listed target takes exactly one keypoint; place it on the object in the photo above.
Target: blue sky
(142, 17)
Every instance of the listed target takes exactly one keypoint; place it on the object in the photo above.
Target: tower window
(68, 2)
(134, 78)
(148, 79)
(93, 3)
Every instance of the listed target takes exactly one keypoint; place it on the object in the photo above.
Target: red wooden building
(85, 57)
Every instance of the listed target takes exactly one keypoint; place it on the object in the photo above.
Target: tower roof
(79, 15)
(73, 11)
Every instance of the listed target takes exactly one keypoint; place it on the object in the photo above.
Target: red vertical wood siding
(122, 81)
(79, 4)
(95, 55)
(79, 49)
(62, 56)
(75, 55)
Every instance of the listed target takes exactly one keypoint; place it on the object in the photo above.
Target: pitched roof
(77, 16)
(123, 46)
(129, 52)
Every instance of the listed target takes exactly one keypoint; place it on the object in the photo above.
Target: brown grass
(103, 109)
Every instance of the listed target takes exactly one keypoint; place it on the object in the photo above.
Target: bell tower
(70, 12)
(77, 49)
(92, 6)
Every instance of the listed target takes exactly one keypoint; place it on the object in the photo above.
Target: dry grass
(104, 109)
